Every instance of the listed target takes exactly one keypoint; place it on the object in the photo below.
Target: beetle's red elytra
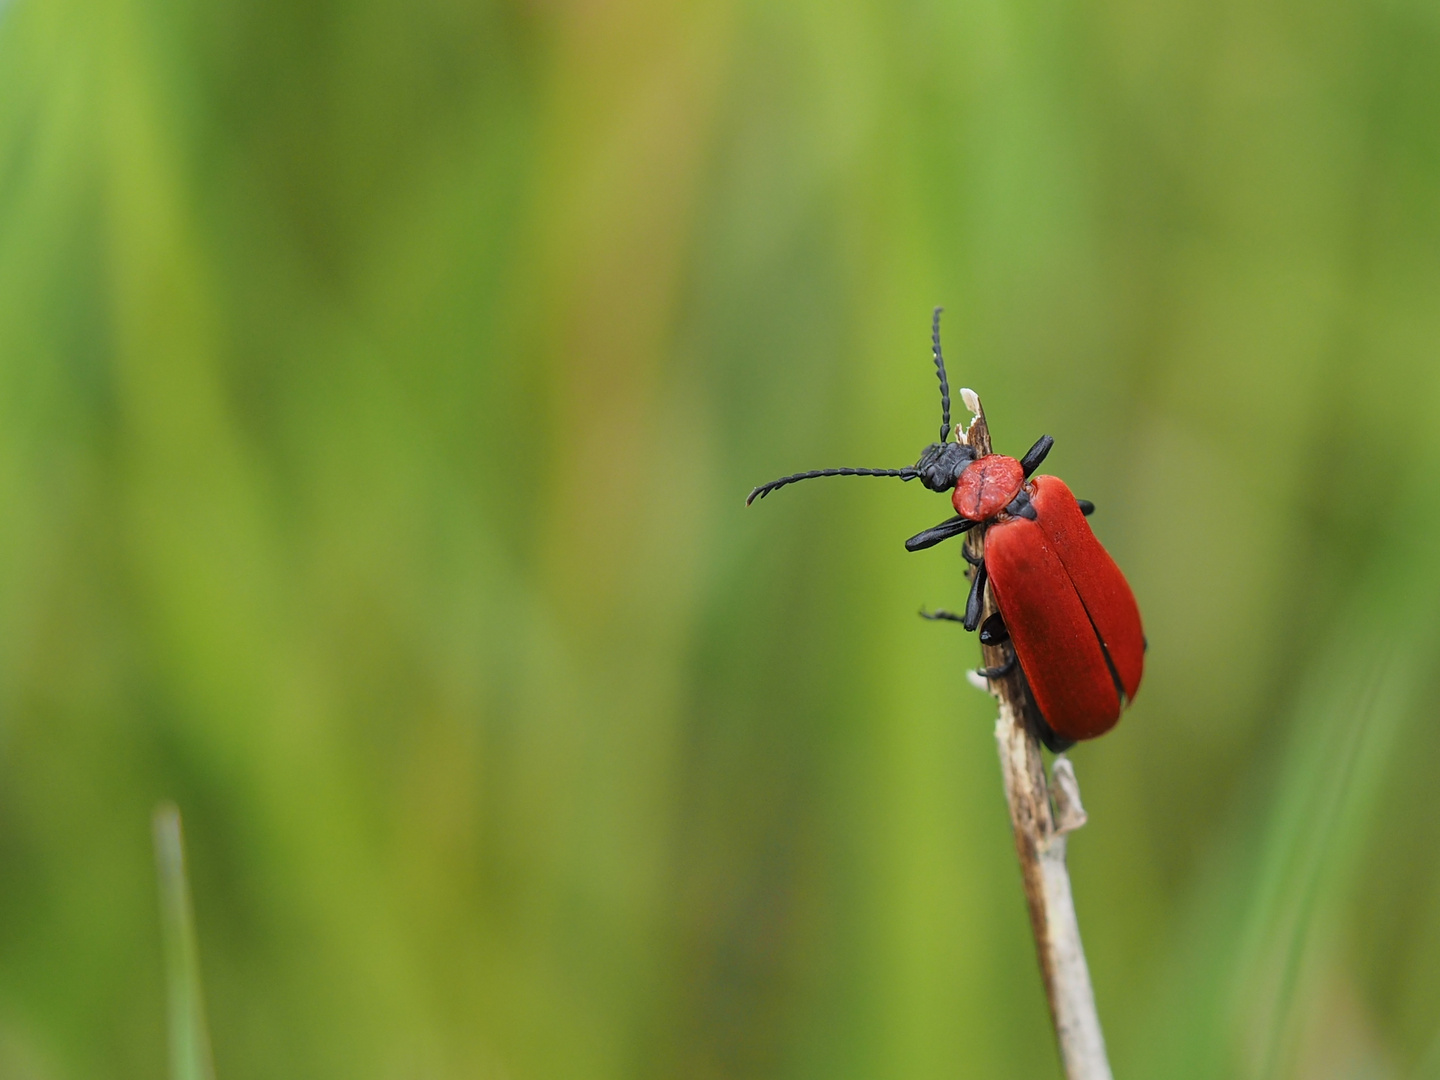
(1072, 619)
(1064, 607)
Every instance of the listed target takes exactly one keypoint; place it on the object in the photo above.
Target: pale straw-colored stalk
(1042, 814)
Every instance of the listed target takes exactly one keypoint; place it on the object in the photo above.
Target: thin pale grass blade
(185, 1011)
(1266, 929)
(1323, 813)
(1350, 727)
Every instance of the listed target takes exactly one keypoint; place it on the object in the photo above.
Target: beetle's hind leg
(997, 672)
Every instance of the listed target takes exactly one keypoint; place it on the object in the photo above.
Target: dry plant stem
(1041, 818)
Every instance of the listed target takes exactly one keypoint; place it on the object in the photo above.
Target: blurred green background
(379, 388)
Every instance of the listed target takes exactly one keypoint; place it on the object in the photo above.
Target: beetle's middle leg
(993, 632)
(976, 600)
(973, 603)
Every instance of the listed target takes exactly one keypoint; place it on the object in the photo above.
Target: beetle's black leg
(993, 631)
(973, 560)
(1086, 506)
(944, 531)
(976, 598)
(1020, 506)
(1036, 454)
(941, 615)
(997, 672)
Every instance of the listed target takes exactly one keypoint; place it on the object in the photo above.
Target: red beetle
(1064, 606)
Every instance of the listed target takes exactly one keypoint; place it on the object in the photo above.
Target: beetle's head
(941, 464)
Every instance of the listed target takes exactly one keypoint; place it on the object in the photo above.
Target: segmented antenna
(944, 382)
(908, 473)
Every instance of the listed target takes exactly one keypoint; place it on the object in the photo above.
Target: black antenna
(944, 383)
(907, 473)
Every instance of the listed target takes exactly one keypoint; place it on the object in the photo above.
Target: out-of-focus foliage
(379, 387)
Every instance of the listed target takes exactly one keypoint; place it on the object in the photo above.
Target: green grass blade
(185, 1011)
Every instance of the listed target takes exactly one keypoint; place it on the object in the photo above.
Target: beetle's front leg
(954, 526)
